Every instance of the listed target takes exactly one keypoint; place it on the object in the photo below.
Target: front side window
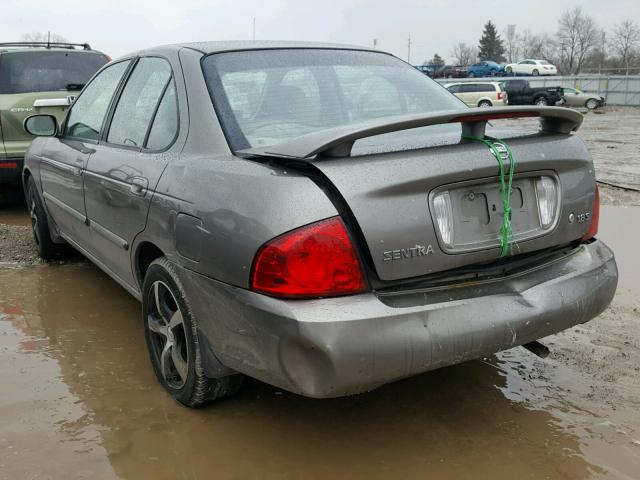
(138, 102)
(265, 97)
(89, 110)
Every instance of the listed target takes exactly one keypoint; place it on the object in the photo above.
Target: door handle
(138, 185)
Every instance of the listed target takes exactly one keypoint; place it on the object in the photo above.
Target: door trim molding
(70, 210)
(109, 235)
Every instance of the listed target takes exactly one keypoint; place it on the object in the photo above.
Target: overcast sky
(120, 26)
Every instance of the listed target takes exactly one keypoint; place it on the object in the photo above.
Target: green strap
(506, 233)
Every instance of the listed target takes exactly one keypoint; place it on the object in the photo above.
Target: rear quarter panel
(231, 206)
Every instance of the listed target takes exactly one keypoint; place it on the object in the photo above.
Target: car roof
(235, 45)
(38, 46)
(478, 82)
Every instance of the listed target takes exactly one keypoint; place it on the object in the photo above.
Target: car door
(571, 96)
(64, 158)
(125, 168)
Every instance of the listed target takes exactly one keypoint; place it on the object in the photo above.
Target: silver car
(578, 98)
(323, 218)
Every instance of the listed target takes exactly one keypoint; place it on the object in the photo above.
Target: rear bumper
(340, 346)
(11, 169)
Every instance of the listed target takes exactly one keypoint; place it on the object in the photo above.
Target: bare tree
(43, 37)
(511, 43)
(464, 54)
(625, 41)
(577, 36)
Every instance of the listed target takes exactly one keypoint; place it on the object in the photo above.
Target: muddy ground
(79, 399)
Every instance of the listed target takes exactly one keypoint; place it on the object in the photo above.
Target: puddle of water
(619, 228)
(79, 396)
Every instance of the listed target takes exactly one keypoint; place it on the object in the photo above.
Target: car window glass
(266, 97)
(47, 71)
(165, 123)
(88, 111)
(454, 88)
(138, 102)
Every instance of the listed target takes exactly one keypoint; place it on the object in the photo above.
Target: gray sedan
(322, 218)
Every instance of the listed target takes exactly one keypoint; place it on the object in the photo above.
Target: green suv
(37, 78)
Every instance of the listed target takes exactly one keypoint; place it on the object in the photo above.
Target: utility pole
(409, 50)
(254, 28)
(602, 47)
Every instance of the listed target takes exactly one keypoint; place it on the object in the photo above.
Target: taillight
(595, 217)
(317, 260)
(500, 95)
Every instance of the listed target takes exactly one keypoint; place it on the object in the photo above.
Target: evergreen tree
(437, 60)
(491, 46)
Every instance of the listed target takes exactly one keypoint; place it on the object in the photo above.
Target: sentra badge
(406, 253)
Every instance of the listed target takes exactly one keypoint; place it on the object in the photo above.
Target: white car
(531, 67)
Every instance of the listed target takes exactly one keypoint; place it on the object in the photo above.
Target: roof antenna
(49, 39)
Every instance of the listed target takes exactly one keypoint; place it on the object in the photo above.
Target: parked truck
(519, 92)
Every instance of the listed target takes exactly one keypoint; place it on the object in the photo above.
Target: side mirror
(41, 125)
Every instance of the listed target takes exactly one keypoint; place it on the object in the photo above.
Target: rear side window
(454, 88)
(478, 87)
(47, 71)
(89, 110)
(138, 102)
(165, 123)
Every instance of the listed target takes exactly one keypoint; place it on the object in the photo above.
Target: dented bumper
(339, 346)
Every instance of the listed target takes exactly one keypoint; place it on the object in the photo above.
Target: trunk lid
(394, 201)
(390, 198)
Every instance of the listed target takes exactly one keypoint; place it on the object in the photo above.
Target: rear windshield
(47, 71)
(270, 96)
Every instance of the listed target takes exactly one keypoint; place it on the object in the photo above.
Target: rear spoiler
(338, 141)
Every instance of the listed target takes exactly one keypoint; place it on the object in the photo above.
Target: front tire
(47, 249)
(171, 332)
(472, 75)
(535, 72)
(509, 70)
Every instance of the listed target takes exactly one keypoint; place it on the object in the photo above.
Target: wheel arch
(146, 252)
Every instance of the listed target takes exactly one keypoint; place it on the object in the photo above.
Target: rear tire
(541, 102)
(485, 104)
(591, 104)
(535, 72)
(171, 332)
(509, 70)
(472, 75)
(47, 249)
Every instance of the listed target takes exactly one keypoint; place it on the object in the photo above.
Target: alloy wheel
(34, 218)
(168, 336)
